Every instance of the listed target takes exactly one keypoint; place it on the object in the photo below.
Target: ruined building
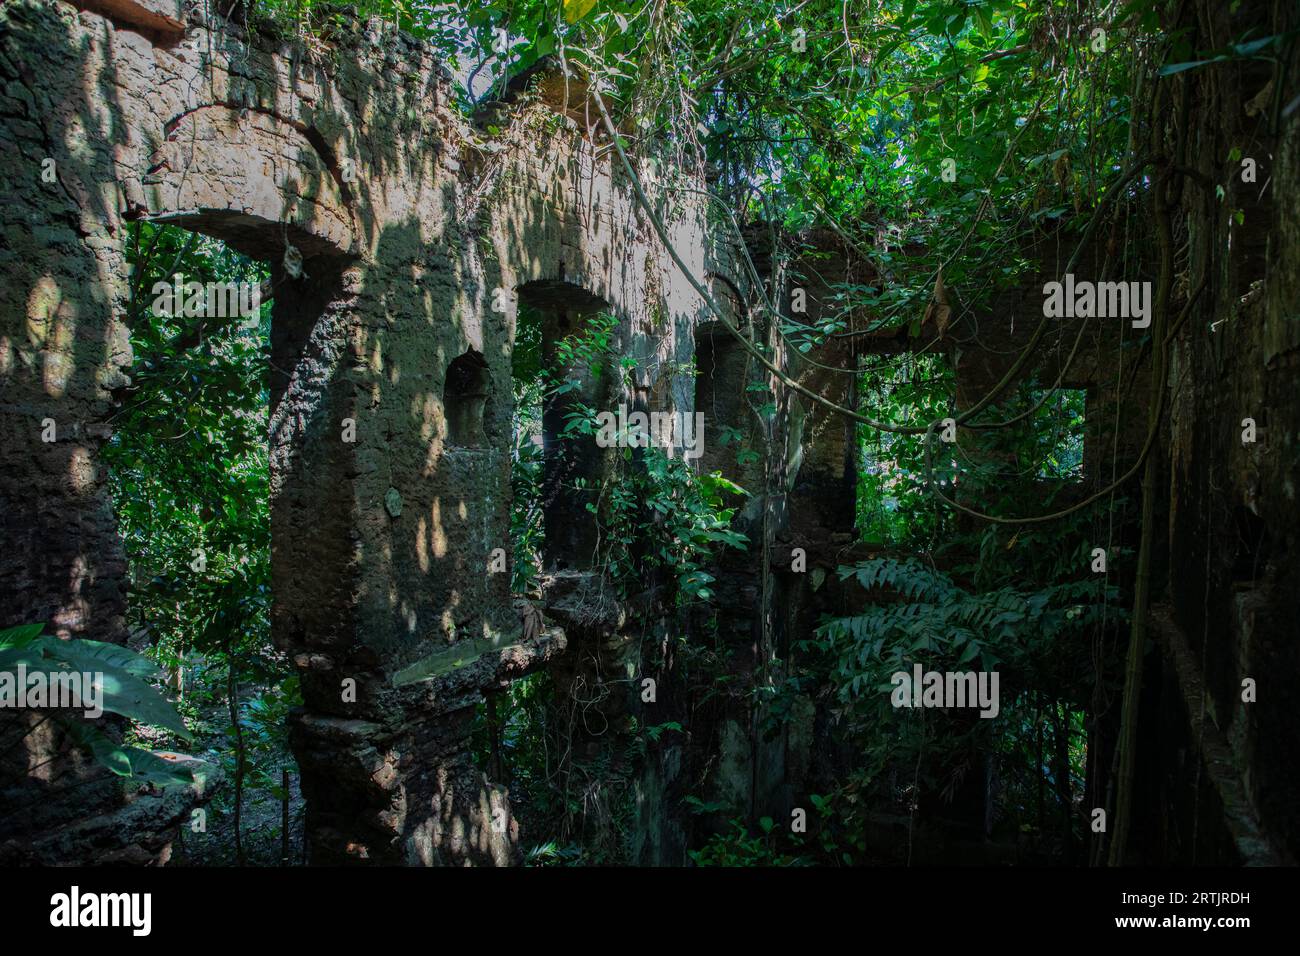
(403, 240)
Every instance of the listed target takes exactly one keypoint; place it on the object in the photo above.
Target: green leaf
(124, 691)
(1170, 69)
(1254, 46)
(87, 655)
(20, 636)
(159, 769)
(105, 751)
(575, 10)
(131, 697)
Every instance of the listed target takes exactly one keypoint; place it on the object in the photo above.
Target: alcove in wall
(465, 394)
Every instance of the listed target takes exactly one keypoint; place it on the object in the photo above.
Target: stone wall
(402, 240)
(398, 236)
(1232, 511)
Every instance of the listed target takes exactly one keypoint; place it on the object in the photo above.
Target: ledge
(450, 678)
(163, 17)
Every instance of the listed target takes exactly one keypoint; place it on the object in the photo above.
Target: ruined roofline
(373, 43)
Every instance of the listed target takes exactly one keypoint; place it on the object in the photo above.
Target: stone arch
(264, 186)
(378, 546)
(261, 185)
(234, 172)
(268, 189)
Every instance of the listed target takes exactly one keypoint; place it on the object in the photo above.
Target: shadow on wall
(389, 452)
(66, 359)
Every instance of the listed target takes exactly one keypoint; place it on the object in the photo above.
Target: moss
(458, 655)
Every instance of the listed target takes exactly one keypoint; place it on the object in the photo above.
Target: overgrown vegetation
(934, 124)
(189, 473)
(660, 523)
(124, 690)
(938, 139)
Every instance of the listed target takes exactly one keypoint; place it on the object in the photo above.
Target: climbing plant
(937, 140)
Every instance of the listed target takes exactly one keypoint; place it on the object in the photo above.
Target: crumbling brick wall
(398, 235)
(1223, 777)
(402, 238)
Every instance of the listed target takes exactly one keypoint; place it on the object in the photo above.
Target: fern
(923, 616)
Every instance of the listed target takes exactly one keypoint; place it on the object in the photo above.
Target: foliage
(736, 846)
(1059, 449)
(188, 465)
(669, 517)
(657, 513)
(921, 615)
(657, 516)
(125, 690)
(263, 720)
(997, 467)
(585, 804)
(527, 472)
(893, 502)
(948, 627)
(521, 736)
(190, 478)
